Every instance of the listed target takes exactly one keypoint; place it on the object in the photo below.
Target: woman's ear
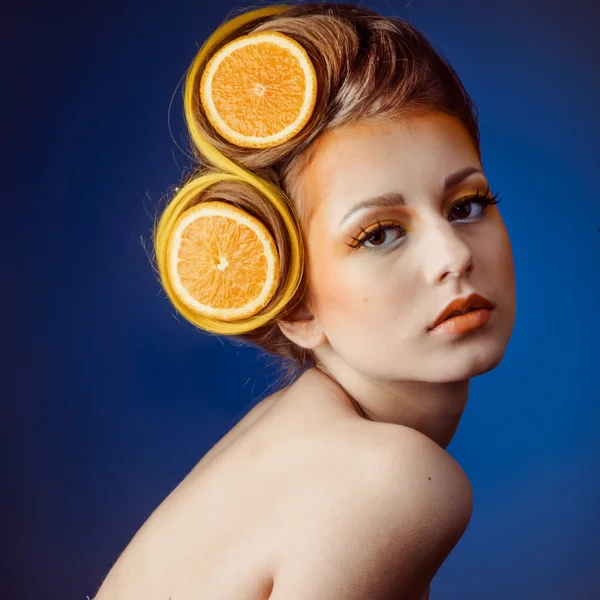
(302, 327)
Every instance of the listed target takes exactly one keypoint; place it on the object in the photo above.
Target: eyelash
(483, 200)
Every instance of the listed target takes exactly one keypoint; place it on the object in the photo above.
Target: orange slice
(222, 262)
(259, 90)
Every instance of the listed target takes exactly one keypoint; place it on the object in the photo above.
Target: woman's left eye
(463, 209)
(466, 203)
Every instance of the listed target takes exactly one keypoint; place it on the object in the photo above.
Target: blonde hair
(369, 68)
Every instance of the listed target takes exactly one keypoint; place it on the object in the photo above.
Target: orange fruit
(222, 262)
(259, 90)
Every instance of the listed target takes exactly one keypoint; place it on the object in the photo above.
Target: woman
(339, 486)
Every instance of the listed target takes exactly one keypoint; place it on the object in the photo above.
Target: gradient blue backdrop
(109, 400)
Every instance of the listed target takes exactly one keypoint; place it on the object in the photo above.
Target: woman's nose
(448, 255)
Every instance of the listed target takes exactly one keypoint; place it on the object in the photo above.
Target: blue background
(109, 398)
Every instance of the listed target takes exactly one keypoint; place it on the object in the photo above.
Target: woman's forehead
(367, 158)
(372, 142)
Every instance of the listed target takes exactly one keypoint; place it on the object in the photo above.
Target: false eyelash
(485, 199)
(377, 227)
(482, 199)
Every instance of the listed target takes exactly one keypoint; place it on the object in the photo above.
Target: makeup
(467, 322)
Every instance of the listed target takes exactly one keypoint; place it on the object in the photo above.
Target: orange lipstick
(463, 323)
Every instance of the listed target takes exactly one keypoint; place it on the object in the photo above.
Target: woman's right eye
(377, 236)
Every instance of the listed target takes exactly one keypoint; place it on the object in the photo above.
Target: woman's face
(374, 304)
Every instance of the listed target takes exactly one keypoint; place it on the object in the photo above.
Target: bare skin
(340, 487)
(372, 305)
(212, 535)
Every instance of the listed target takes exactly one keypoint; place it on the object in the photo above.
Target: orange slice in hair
(222, 262)
(259, 90)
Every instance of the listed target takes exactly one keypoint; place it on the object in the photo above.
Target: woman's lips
(473, 301)
(462, 323)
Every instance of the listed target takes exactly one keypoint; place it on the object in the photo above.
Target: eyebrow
(397, 199)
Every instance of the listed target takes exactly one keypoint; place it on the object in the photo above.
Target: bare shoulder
(382, 525)
(407, 456)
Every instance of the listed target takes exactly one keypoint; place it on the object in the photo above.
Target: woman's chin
(464, 365)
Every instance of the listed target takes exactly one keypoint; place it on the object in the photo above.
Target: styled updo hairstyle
(369, 67)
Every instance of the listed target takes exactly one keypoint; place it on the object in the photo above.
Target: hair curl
(369, 68)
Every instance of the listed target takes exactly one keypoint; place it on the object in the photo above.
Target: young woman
(338, 486)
